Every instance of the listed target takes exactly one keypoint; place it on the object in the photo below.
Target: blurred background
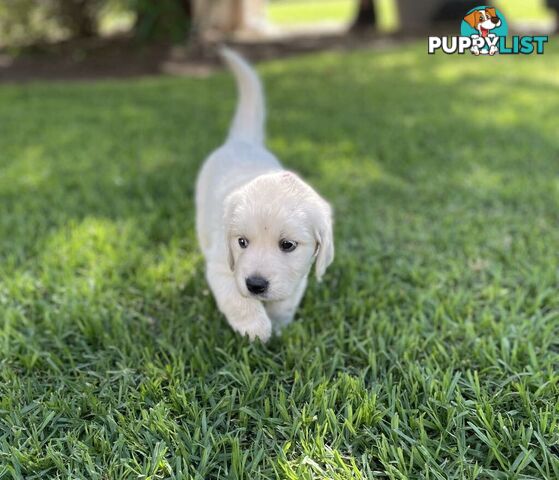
(83, 38)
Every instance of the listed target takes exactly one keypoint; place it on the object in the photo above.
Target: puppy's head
(483, 20)
(277, 226)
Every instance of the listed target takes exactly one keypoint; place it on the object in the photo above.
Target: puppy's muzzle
(257, 285)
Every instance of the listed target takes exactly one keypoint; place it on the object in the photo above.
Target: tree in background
(162, 19)
(554, 5)
(24, 22)
(17, 23)
(78, 17)
(218, 18)
(366, 18)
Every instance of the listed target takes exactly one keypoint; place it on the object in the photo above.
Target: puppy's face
(276, 226)
(483, 20)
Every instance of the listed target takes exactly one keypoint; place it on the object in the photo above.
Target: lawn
(309, 11)
(292, 12)
(431, 349)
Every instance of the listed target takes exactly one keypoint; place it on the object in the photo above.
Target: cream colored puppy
(260, 227)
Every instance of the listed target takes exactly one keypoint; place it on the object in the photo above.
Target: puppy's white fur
(243, 192)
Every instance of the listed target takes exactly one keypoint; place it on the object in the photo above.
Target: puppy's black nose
(256, 284)
(495, 20)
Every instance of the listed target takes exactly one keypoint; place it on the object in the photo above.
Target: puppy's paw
(260, 328)
(493, 50)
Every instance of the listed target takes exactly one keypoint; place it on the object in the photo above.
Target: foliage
(430, 350)
(24, 22)
(164, 19)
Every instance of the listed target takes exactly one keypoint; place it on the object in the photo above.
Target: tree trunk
(79, 16)
(221, 18)
(366, 18)
(187, 7)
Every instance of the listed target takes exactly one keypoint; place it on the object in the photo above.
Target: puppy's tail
(248, 123)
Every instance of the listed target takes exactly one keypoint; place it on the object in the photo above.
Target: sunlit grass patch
(294, 12)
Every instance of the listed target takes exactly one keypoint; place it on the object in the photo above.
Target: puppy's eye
(287, 245)
(243, 242)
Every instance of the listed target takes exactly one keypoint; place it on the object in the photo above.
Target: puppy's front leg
(245, 315)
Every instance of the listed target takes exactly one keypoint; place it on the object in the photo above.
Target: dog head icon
(483, 20)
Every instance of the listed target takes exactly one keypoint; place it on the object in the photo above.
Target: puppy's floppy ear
(230, 205)
(471, 19)
(324, 240)
(492, 12)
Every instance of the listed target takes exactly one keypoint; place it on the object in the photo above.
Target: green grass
(431, 349)
(293, 12)
(309, 11)
(518, 10)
